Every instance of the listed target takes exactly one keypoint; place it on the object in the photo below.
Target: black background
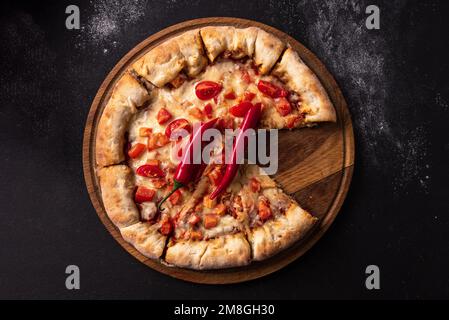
(396, 85)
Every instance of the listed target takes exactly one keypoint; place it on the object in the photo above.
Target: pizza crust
(278, 234)
(222, 252)
(164, 62)
(117, 188)
(299, 78)
(268, 49)
(146, 238)
(126, 96)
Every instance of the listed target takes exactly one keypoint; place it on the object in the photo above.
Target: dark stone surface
(394, 79)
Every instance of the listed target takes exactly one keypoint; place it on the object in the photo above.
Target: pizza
(213, 74)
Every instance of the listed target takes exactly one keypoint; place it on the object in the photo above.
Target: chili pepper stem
(176, 185)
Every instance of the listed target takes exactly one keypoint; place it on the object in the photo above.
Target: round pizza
(216, 214)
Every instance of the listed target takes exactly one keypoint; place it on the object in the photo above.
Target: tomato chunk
(249, 96)
(143, 194)
(157, 140)
(283, 106)
(145, 132)
(177, 129)
(175, 198)
(210, 221)
(230, 95)
(206, 90)
(166, 227)
(220, 209)
(150, 171)
(163, 116)
(271, 90)
(136, 150)
(196, 113)
(264, 210)
(246, 77)
(241, 109)
(208, 110)
(196, 235)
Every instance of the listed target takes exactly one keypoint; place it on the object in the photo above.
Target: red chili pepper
(186, 170)
(250, 121)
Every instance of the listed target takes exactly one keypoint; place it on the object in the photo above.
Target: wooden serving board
(315, 164)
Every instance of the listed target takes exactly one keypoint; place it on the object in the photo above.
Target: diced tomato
(196, 235)
(166, 227)
(240, 110)
(157, 140)
(145, 132)
(254, 185)
(206, 90)
(225, 123)
(210, 221)
(175, 128)
(163, 116)
(215, 175)
(208, 110)
(196, 113)
(143, 194)
(271, 90)
(246, 77)
(158, 183)
(249, 96)
(175, 197)
(283, 106)
(194, 219)
(264, 210)
(150, 171)
(220, 209)
(230, 95)
(136, 150)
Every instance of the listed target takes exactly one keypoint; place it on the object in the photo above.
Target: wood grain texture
(315, 164)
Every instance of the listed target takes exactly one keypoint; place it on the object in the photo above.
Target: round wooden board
(315, 164)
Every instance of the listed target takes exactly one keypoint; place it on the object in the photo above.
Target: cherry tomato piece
(136, 150)
(206, 90)
(241, 109)
(163, 116)
(150, 171)
(144, 194)
(174, 128)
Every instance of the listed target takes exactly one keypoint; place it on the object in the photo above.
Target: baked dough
(117, 188)
(126, 96)
(163, 63)
(298, 77)
(146, 238)
(222, 252)
(278, 234)
(268, 49)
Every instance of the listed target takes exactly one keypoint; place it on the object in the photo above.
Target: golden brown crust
(191, 47)
(161, 64)
(268, 49)
(117, 188)
(146, 238)
(299, 78)
(222, 252)
(217, 40)
(126, 96)
(278, 234)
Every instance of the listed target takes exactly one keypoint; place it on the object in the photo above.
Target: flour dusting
(362, 56)
(109, 20)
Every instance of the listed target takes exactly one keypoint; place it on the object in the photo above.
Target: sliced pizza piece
(146, 238)
(218, 253)
(315, 103)
(127, 95)
(275, 221)
(117, 189)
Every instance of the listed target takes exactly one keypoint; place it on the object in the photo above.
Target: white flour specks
(362, 57)
(108, 21)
